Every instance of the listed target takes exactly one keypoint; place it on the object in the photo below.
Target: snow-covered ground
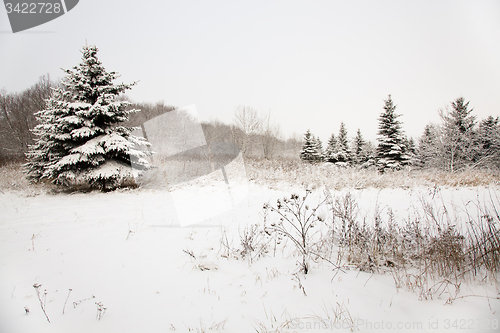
(129, 250)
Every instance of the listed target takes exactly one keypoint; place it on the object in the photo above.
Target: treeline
(256, 135)
(17, 118)
(459, 142)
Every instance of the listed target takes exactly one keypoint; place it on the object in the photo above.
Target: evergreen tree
(358, 149)
(488, 132)
(489, 141)
(79, 140)
(428, 152)
(411, 150)
(331, 150)
(460, 117)
(370, 155)
(458, 135)
(344, 152)
(47, 149)
(391, 152)
(309, 151)
(319, 154)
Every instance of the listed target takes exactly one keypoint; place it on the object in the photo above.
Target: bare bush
(295, 222)
(428, 254)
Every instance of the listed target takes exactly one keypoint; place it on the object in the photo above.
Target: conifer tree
(428, 152)
(319, 154)
(391, 152)
(489, 141)
(344, 152)
(79, 140)
(369, 154)
(410, 149)
(331, 150)
(309, 151)
(458, 135)
(358, 149)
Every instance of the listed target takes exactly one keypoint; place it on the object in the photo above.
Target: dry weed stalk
(101, 310)
(253, 243)
(296, 219)
(295, 171)
(66, 301)
(42, 302)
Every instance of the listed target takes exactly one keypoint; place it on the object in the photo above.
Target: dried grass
(294, 171)
(12, 178)
(431, 245)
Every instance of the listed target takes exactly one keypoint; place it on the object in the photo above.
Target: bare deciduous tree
(17, 117)
(247, 120)
(269, 135)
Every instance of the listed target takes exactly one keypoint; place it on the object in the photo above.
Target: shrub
(296, 220)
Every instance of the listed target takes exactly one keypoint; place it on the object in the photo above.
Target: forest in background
(459, 142)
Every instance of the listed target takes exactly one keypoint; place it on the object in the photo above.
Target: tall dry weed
(296, 172)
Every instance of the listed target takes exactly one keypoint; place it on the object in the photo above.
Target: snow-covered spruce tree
(344, 152)
(370, 154)
(358, 149)
(47, 149)
(79, 142)
(391, 154)
(411, 150)
(309, 151)
(319, 150)
(459, 144)
(331, 150)
(428, 152)
(489, 141)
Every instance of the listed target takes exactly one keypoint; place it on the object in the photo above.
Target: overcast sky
(312, 64)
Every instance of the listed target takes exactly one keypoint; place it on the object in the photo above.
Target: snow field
(128, 250)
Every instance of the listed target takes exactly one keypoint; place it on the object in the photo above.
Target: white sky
(311, 63)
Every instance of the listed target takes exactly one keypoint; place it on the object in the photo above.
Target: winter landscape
(172, 224)
(121, 250)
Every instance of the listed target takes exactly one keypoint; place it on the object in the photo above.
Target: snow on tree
(489, 141)
(309, 151)
(391, 152)
(79, 140)
(411, 150)
(344, 152)
(458, 135)
(319, 150)
(358, 151)
(428, 152)
(369, 155)
(338, 150)
(331, 150)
